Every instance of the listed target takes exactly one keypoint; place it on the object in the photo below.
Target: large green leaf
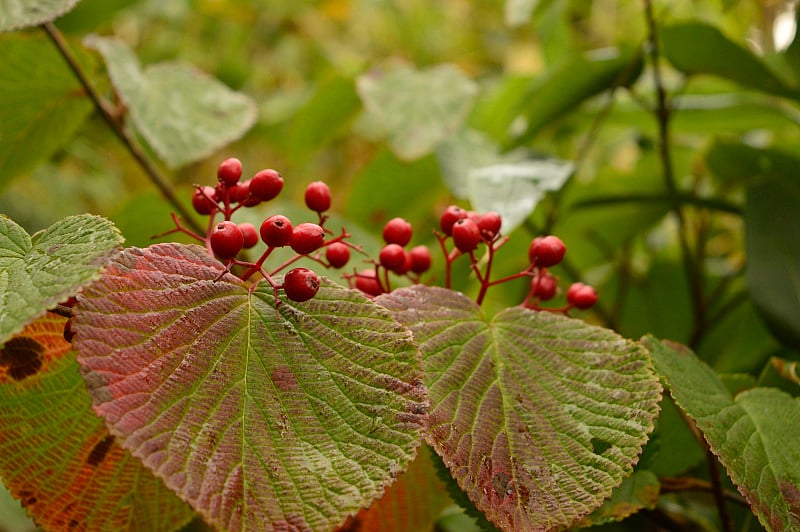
(260, 417)
(565, 87)
(58, 456)
(182, 113)
(15, 14)
(754, 435)
(40, 271)
(698, 48)
(417, 109)
(538, 416)
(772, 228)
(42, 105)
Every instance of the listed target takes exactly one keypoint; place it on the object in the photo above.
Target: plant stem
(111, 117)
(663, 113)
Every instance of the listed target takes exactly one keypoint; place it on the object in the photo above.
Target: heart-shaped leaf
(15, 14)
(538, 416)
(182, 113)
(40, 271)
(754, 435)
(58, 456)
(287, 418)
(417, 109)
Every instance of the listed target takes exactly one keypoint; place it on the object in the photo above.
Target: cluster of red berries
(395, 258)
(226, 239)
(468, 230)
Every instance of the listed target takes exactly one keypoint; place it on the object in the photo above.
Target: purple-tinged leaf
(261, 419)
(538, 416)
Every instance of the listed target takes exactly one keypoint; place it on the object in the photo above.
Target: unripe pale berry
(466, 235)
(581, 295)
(489, 224)
(397, 231)
(318, 196)
(204, 200)
(420, 259)
(307, 237)
(392, 257)
(276, 231)
(300, 284)
(337, 254)
(546, 251)
(226, 240)
(250, 234)
(368, 283)
(266, 184)
(449, 217)
(544, 286)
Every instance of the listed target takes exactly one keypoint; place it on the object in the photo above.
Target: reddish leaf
(538, 416)
(58, 458)
(260, 419)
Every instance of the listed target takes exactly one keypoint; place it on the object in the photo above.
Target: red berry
(229, 171)
(337, 254)
(466, 235)
(449, 217)
(581, 295)
(368, 283)
(393, 257)
(397, 231)
(546, 251)
(307, 237)
(318, 196)
(204, 200)
(241, 192)
(226, 240)
(300, 284)
(544, 286)
(276, 231)
(420, 259)
(489, 224)
(250, 234)
(266, 185)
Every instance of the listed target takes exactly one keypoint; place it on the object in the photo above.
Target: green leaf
(514, 189)
(417, 109)
(754, 435)
(737, 163)
(42, 105)
(538, 416)
(698, 48)
(58, 456)
(772, 231)
(38, 272)
(637, 492)
(180, 111)
(565, 87)
(16, 14)
(287, 417)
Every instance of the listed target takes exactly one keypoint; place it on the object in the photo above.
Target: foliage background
(300, 62)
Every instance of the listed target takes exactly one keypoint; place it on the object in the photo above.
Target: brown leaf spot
(22, 356)
(99, 451)
(502, 484)
(284, 379)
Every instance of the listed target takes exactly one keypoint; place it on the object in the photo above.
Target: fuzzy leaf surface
(58, 456)
(417, 109)
(182, 112)
(16, 14)
(259, 419)
(537, 416)
(39, 271)
(754, 435)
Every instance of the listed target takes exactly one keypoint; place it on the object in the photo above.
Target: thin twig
(110, 115)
